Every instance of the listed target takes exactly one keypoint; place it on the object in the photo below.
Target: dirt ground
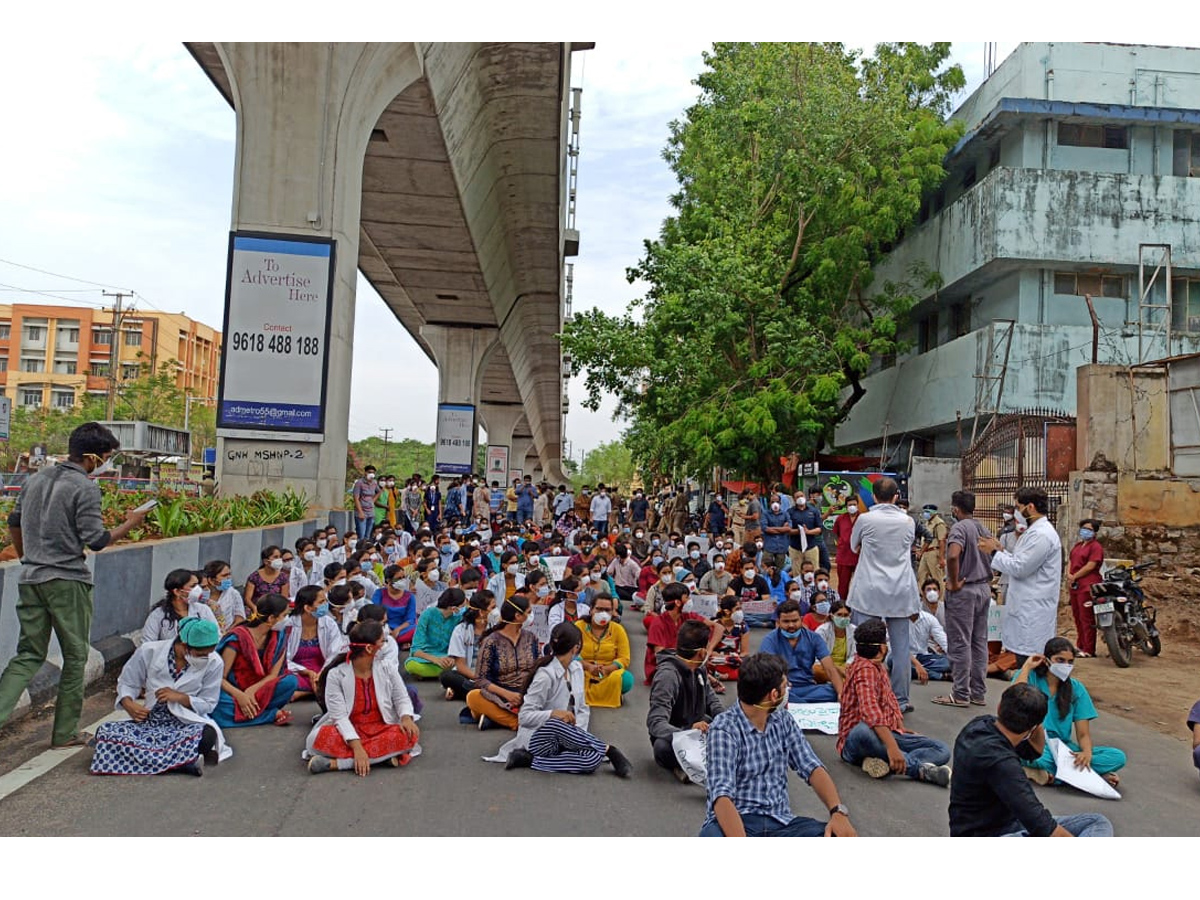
(1153, 691)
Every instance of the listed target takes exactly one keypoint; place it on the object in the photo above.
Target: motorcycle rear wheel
(1121, 653)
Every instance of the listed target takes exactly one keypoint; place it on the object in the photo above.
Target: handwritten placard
(759, 607)
(821, 717)
(995, 621)
(705, 604)
(539, 623)
(558, 566)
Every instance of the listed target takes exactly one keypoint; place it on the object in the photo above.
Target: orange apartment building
(52, 356)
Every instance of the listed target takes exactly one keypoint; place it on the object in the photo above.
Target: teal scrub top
(1082, 708)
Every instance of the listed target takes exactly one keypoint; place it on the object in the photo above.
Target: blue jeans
(812, 693)
(757, 825)
(935, 664)
(862, 742)
(1082, 825)
(363, 527)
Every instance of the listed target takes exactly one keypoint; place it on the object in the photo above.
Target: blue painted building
(1074, 156)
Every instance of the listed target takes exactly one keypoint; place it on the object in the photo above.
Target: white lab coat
(1034, 568)
(558, 613)
(232, 606)
(884, 583)
(390, 692)
(298, 578)
(825, 633)
(329, 636)
(497, 586)
(147, 671)
(925, 632)
(159, 628)
(548, 691)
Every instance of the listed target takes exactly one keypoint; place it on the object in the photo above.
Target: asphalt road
(265, 789)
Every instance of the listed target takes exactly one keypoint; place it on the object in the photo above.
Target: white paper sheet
(821, 717)
(1084, 779)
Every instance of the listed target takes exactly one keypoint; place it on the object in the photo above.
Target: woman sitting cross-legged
(507, 656)
(459, 680)
(313, 639)
(1070, 709)
(170, 729)
(554, 716)
(253, 690)
(183, 599)
(605, 654)
(431, 642)
(369, 717)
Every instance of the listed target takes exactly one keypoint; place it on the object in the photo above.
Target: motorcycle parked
(1123, 616)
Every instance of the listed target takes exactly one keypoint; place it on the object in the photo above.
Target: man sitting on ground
(927, 643)
(751, 746)
(800, 648)
(681, 697)
(871, 730)
(990, 795)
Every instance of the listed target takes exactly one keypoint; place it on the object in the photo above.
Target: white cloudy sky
(118, 163)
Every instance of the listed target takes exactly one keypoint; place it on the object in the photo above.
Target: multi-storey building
(1075, 158)
(52, 356)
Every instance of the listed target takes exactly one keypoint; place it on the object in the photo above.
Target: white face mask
(310, 555)
(594, 576)
(493, 618)
(199, 663)
(738, 617)
(822, 585)
(749, 574)
(808, 577)
(1022, 522)
(195, 594)
(1008, 517)
(321, 543)
(758, 544)
(276, 564)
(695, 554)
(795, 595)
(931, 597)
(370, 476)
(433, 574)
(852, 509)
(1061, 671)
(513, 569)
(400, 584)
(104, 468)
(601, 618)
(719, 566)
(533, 559)
(775, 507)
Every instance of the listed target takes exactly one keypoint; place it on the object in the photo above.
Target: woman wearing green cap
(169, 729)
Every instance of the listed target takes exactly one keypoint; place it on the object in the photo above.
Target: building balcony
(1052, 217)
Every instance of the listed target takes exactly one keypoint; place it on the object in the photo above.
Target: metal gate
(1030, 448)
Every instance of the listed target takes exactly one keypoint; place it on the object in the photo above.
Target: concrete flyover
(440, 169)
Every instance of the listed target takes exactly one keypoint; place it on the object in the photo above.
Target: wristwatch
(840, 808)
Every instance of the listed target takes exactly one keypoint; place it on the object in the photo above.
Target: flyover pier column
(305, 113)
(500, 420)
(461, 354)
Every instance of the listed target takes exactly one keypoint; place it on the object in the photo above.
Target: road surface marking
(48, 759)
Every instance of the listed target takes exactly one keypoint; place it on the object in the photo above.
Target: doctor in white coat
(312, 612)
(1034, 568)
(168, 688)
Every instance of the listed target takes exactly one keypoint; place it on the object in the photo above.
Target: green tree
(798, 167)
(152, 397)
(399, 458)
(610, 462)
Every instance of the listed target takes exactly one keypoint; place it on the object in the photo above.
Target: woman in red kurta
(1083, 571)
(847, 559)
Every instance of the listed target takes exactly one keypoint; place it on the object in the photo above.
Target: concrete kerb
(128, 581)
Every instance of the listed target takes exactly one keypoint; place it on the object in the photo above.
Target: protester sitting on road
(751, 746)
(716, 580)
(681, 697)
(304, 570)
(818, 612)
(734, 644)
(428, 586)
(871, 730)
(751, 587)
(664, 628)
(254, 689)
(459, 680)
(334, 573)
(313, 639)
(838, 634)
(554, 717)
(820, 585)
(990, 795)
(537, 583)
(369, 717)
(927, 643)
(800, 649)
(779, 582)
(654, 593)
(797, 593)
(1192, 722)
(430, 655)
(1069, 707)
(182, 600)
(343, 608)
(567, 605)
(605, 655)
(507, 656)
(170, 729)
(400, 603)
(269, 578)
(505, 582)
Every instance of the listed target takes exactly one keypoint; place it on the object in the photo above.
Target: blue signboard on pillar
(455, 453)
(278, 299)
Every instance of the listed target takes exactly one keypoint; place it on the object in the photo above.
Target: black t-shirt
(758, 589)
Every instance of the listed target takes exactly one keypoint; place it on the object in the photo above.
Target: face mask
(321, 543)
(1086, 534)
(104, 468)
(841, 621)
(795, 595)
(352, 543)
(656, 542)
(433, 574)
(321, 611)
(1022, 522)
(791, 635)
(310, 555)
(639, 534)
(1061, 671)
(720, 545)
(276, 564)
(852, 509)
(594, 576)
(287, 565)
(822, 585)
(604, 544)
(822, 608)
(801, 502)
(775, 507)
(719, 566)
(749, 574)
(400, 585)
(374, 557)
(513, 569)
(1008, 517)
(695, 554)
(370, 476)
(758, 544)
(225, 584)
(493, 618)
(657, 561)
(808, 577)
(543, 591)
(601, 618)
(738, 617)
(195, 594)
(534, 559)
(931, 597)
(199, 663)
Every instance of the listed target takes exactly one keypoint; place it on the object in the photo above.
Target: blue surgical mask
(321, 611)
(822, 608)
(225, 584)
(791, 635)
(1086, 534)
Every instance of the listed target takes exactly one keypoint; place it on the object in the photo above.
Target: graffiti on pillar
(269, 459)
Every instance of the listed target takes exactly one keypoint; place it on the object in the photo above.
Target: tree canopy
(610, 463)
(798, 167)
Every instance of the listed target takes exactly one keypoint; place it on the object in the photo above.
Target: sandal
(283, 717)
(950, 701)
(979, 703)
(82, 739)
